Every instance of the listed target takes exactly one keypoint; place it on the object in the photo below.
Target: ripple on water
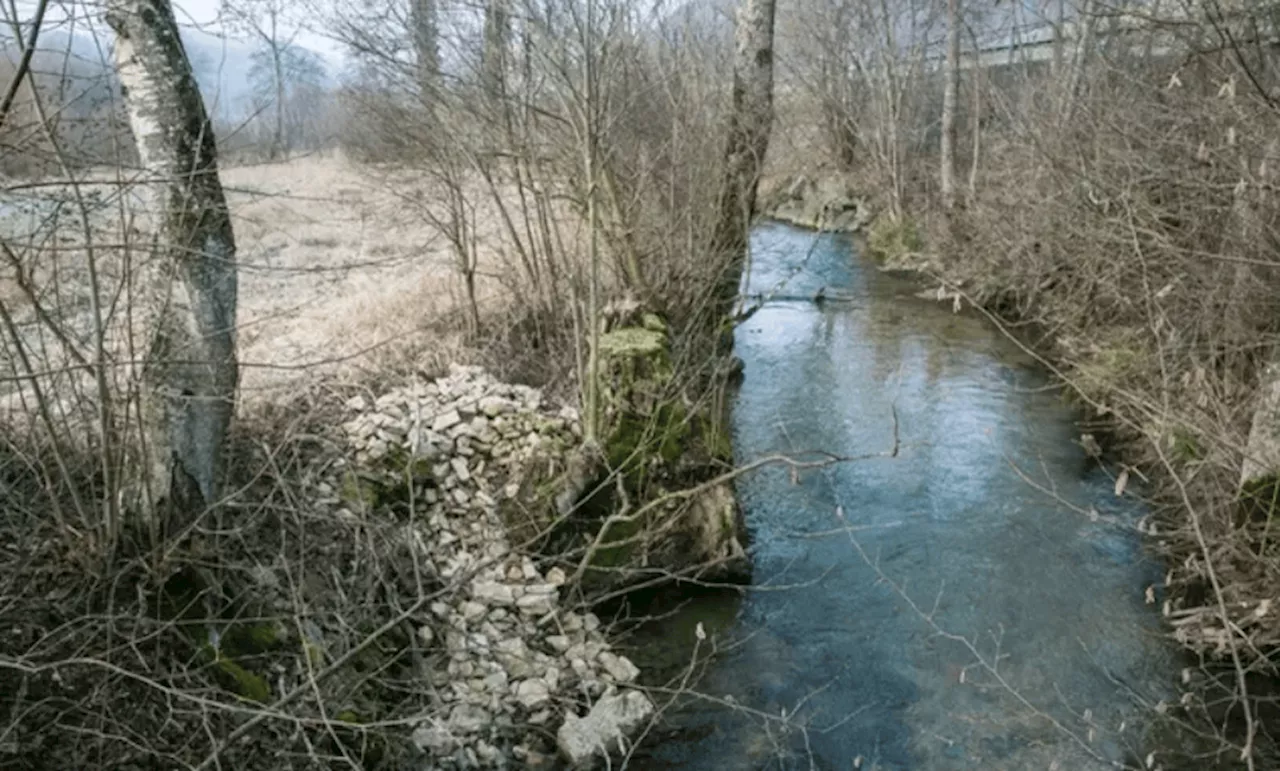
(1054, 598)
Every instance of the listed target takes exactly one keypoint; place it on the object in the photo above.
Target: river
(1028, 641)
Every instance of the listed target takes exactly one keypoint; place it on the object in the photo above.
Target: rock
(446, 421)
(619, 668)
(556, 576)
(514, 656)
(536, 604)
(434, 739)
(496, 681)
(467, 719)
(552, 678)
(460, 469)
(612, 720)
(472, 611)
(496, 662)
(492, 593)
(532, 693)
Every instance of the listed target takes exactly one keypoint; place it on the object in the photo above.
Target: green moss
(633, 342)
(653, 322)
(236, 677)
(1184, 446)
(314, 653)
(358, 492)
(251, 639)
(637, 438)
(348, 716)
(890, 237)
(716, 440)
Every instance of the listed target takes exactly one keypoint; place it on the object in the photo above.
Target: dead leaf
(1151, 595)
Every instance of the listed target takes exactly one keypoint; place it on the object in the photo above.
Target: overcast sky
(200, 13)
(205, 14)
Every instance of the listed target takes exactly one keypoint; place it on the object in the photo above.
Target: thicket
(571, 157)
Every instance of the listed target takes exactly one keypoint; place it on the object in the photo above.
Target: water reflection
(1055, 599)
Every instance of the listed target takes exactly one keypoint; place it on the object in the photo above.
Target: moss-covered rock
(359, 492)
(655, 443)
(238, 678)
(892, 238)
(825, 203)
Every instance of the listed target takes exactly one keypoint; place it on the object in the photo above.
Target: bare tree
(190, 370)
(288, 84)
(750, 121)
(266, 22)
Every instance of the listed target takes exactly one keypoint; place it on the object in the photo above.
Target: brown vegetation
(536, 204)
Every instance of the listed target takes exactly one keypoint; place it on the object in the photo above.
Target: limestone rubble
(510, 664)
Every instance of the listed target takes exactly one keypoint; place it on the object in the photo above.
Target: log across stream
(978, 601)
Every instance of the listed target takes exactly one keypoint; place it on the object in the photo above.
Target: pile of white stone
(509, 664)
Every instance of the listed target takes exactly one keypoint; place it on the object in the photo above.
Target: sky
(205, 15)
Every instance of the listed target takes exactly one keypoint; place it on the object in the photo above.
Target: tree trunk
(950, 93)
(493, 53)
(277, 140)
(750, 121)
(422, 19)
(189, 371)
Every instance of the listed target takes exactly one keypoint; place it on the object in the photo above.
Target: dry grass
(335, 270)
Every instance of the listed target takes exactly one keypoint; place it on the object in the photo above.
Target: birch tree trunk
(750, 121)
(950, 93)
(189, 371)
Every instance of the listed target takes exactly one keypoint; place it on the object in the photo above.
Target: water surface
(1049, 596)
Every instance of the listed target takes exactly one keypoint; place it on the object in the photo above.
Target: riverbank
(1171, 414)
(417, 524)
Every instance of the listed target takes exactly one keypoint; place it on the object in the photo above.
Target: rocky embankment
(509, 662)
(824, 202)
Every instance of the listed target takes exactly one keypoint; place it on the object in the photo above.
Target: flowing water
(1000, 570)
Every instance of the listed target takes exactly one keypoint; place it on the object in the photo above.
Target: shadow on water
(1055, 597)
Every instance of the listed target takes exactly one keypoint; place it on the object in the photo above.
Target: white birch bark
(187, 284)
